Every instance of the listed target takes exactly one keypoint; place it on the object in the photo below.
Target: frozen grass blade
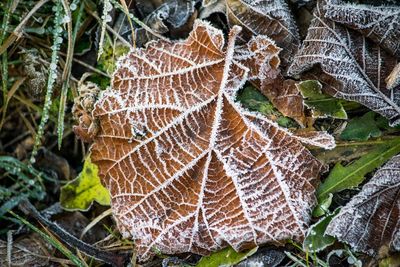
(4, 63)
(57, 40)
(105, 18)
(67, 69)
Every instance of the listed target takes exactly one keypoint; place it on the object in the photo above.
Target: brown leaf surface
(358, 66)
(379, 23)
(286, 97)
(188, 168)
(266, 17)
(371, 220)
(283, 94)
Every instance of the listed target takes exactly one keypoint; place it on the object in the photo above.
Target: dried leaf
(286, 97)
(266, 76)
(358, 66)
(380, 23)
(188, 168)
(266, 17)
(371, 219)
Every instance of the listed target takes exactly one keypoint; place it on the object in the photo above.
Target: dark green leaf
(349, 176)
(322, 105)
(316, 240)
(226, 257)
(362, 128)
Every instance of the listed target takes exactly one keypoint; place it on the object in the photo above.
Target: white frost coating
(372, 218)
(380, 23)
(206, 172)
(359, 66)
(267, 17)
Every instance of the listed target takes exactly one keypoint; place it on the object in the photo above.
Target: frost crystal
(266, 17)
(359, 67)
(188, 168)
(380, 23)
(371, 219)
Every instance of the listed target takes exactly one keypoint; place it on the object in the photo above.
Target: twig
(115, 259)
(119, 37)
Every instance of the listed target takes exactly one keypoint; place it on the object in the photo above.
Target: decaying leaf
(171, 15)
(173, 18)
(371, 220)
(188, 168)
(265, 256)
(359, 66)
(379, 23)
(286, 97)
(266, 17)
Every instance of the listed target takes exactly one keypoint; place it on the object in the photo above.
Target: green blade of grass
(346, 177)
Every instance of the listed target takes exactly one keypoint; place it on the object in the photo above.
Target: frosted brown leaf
(266, 17)
(379, 23)
(188, 168)
(371, 220)
(352, 66)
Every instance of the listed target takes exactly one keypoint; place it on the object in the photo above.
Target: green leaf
(316, 240)
(322, 105)
(349, 176)
(80, 193)
(253, 99)
(226, 257)
(362, 128)
(323, 206)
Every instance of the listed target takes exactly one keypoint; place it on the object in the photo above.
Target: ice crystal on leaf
(371, 219)
(380, 23)
(188, 168)
(354, 68)
(266, 17)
